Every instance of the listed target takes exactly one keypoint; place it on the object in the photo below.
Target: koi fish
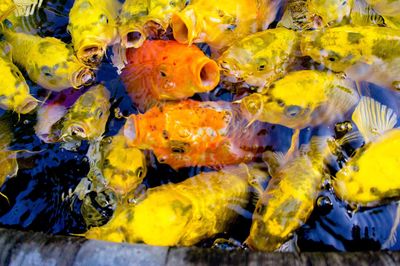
(370, 176)
(14, 92)
(221, 22)
(300, 99)
(6, 8)
(191, 133)
(289, 197)
(48, 61)
(260, 58)
(93, 27)
(140, 19)
(184, 213)
(365, 53)
(167, 70)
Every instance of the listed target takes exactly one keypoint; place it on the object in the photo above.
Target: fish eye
(280, 102)
(261, 67)
(46, 71)
(99, 112)
(139, 172)
(103, 18)
(333, 56)
(163, 74)
(292, 111)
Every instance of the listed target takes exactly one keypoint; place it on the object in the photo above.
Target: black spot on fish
(165, 134)
(354, 37)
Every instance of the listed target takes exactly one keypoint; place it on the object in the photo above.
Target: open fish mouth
(75, 131)
(133, 38)
(84, 77)
(27, 106)
(207, 74)
(91, 55)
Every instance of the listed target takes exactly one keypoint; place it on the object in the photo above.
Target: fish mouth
(207, 74)
(133, 38)
(183, 26)
(91, 54)
(27, 106)
(83, 77)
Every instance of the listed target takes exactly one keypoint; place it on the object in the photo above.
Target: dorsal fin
(373, 118)
(27, 7)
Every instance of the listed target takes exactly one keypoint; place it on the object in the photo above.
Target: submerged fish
(371, 175)
(260, 58)
(140, 19)
(87, 117)
(184, 213)
(48, 61)
(289, 197)
(93, 27)
(365, 53)
(311, 14)
(221, 22)
(8, 158)
(6, 8)
(191, 133)
(14, 92)
(300, 99)
(167, 70)
(123, 167)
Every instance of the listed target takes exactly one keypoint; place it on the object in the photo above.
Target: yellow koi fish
(87, 117)
(93, 27)
(140, 19)
(260, 58)
(123, 167)
(48, 61)
(300, 99)
(371, 175)
(14, 92)
(365, 53)
(221, 22)
(182, 214)
(289, 197)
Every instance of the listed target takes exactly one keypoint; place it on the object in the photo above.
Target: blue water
(47, 171)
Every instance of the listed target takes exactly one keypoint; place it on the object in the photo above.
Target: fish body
(14, 91)
(8, 158)
(93, 27)
(301, 99)
(6, 8)
(167, 70)
(141, 19)
(221, 22)
(371, 176)
(288, 199)
(27, 7)
(181, 214)
(87, 117)
(311, 14)
(260, 58)
(365, 53)
(48, 61)
(123, 167)
(191, 133)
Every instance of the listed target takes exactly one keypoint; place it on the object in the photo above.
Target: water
(48, 172)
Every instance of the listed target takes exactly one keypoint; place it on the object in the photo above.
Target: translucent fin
(373, 118)
(293, 145)
(27, 7)
(393, 232)
(343, 97)
(352, 136)
(319, 148)
(363, 14)
(118, 58)
(274, 160)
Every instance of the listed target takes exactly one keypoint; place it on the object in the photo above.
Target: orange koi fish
(191, 133)
(167, 70)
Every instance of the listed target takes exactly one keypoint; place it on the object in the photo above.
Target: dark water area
(48, 172)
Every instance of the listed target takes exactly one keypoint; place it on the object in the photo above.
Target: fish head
(92, 35)
(14, 93)
(273, 110)
(62, 70)
(124, 167)
(336, 48)
(87, 118)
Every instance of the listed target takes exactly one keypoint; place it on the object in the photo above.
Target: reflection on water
(39, 197)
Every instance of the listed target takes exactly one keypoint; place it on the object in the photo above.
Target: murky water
(48, 172)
